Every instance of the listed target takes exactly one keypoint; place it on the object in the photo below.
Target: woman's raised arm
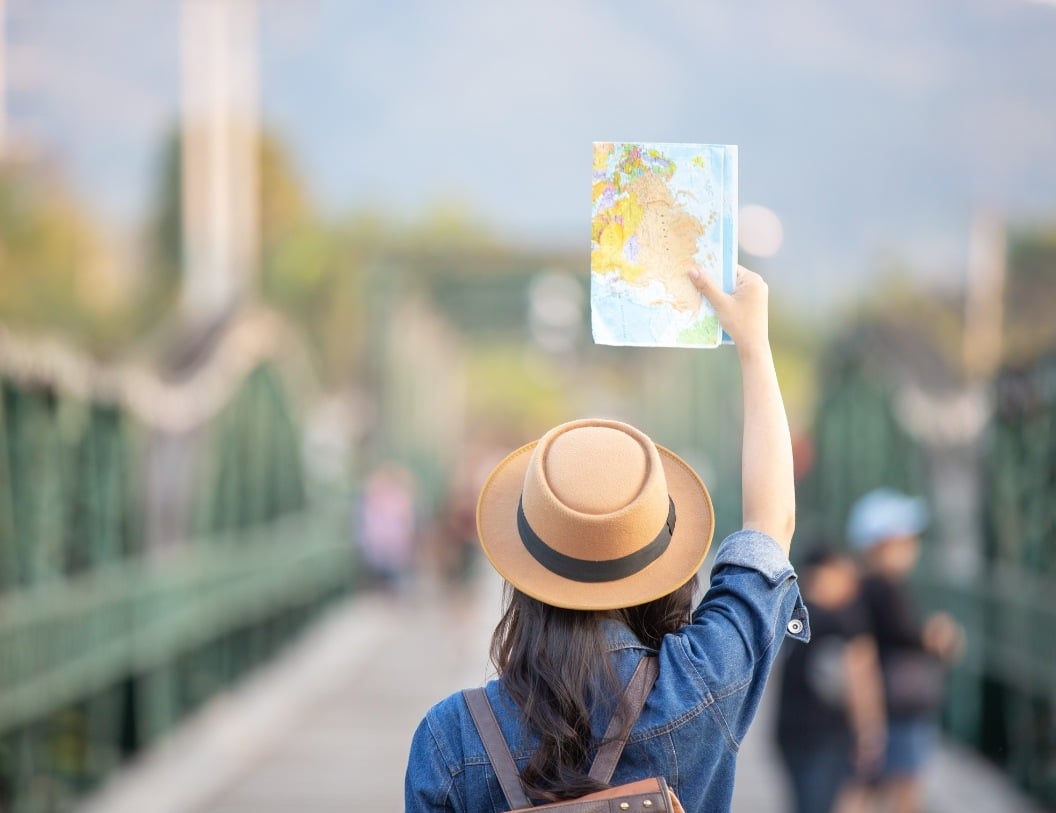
(768, 488)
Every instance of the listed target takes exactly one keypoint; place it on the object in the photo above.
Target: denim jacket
(712, 674)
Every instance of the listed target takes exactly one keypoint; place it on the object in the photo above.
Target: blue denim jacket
(712, 674)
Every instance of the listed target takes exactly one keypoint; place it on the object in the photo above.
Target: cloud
(95, 91)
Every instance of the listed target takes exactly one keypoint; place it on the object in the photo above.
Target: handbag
(914, 682)
(650, 795)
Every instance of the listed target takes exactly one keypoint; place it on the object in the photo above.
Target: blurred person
(830, 718)
(388, 525)
(457, 536)
(885, 526)
(599, 534)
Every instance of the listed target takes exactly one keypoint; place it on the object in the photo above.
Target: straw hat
(595, 516)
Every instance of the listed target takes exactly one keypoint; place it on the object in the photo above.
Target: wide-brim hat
(595, 516)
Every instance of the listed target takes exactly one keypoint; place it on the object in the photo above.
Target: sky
(876, 131)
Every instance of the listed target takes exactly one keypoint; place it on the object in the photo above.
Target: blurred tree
(516, 390)
(165, 230)
(309, 270)
(796, 343)
(1030, 295)
(916, 327)
(57, 270)
(450, 224)
(934, 320)
(284, 213)
(306, 268)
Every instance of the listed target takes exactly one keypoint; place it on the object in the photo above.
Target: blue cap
(883, 514)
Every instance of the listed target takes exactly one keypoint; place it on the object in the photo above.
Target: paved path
(327, 726)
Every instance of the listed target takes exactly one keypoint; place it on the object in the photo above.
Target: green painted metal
(35, 445)
(8, 550)
(690, 402)
(69, 638)
(104, 644)
(858, 445)
(253, 472)
(1018, 629)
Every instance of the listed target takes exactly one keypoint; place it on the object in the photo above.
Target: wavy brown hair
(555, 664)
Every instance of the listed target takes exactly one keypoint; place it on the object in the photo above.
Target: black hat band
(590, 570)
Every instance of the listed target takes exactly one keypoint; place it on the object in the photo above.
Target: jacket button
(795, 626)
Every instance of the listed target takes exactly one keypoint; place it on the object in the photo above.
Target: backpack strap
(619, 729)
(495, 744)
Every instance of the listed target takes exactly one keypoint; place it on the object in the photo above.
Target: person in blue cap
(884, 526)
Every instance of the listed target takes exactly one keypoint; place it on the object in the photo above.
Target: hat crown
(595, 469)
(595, 490)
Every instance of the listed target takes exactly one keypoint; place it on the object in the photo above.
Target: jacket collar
(618, 636)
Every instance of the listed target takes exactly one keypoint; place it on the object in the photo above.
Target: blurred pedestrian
(830, 719)
(599, 534)
(457, 545)
(388, 525)
(885, 526)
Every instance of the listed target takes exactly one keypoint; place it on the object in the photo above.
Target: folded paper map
(660, 210)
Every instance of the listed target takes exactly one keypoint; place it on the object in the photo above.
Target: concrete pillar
(220, 154)
(984, 297)
(3, 79)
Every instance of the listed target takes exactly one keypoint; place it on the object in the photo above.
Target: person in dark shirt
(830, 714)
(913, 651)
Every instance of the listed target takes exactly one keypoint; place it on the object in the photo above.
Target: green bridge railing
(158, 538)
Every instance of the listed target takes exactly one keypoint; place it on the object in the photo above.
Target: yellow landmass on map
(612, 230)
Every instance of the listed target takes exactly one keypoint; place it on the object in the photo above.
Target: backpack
(644, 796)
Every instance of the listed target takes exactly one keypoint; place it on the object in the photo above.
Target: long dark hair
(556, 666)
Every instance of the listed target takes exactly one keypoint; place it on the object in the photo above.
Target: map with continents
(658, 211)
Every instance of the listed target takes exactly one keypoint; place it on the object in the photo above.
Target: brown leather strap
(495, 744)
(619, 729)
(627, 711)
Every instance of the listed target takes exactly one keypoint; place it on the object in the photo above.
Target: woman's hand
(744, 313)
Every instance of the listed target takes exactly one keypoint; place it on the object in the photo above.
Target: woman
(599, 534)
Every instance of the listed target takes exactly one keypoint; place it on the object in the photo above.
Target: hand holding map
(744, 312)
(660, 210)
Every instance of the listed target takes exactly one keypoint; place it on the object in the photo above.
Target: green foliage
(51, 259)
(310, 269)
(1030, 299)
(165, 229)
(514, 388)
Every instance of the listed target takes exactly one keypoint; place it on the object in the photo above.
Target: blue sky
(875, 130)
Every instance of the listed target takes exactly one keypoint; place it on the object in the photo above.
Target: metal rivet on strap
(647, 803)
(625, 806)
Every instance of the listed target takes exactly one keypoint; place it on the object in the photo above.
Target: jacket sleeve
(428, 783)
(752, 603)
